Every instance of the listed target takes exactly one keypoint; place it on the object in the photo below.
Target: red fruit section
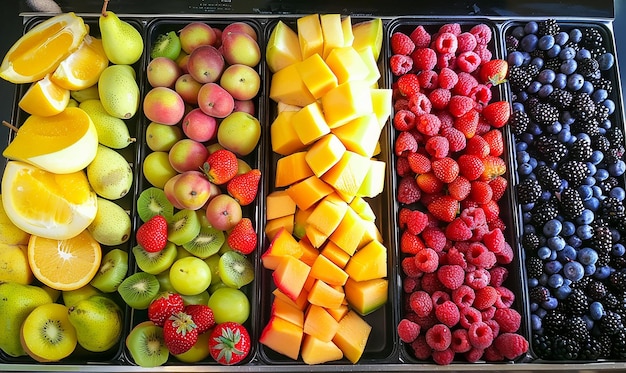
(462, 259)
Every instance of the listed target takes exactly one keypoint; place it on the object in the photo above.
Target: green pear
(16, 303)
(111, 226)
(118, 91)
(112, 132)
(122, 42)
(98, 323)
(109, 174)
(71, 297)
(90, 93)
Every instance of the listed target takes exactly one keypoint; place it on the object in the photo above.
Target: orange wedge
(62, 143)
(44, 98)
(46, 204)
(83, 67)
(64, 264)
(40, 50)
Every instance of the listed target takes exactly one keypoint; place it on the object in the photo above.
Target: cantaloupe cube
(274, 225)
(278, 204)
(346, 63)
(347, 175)
(310, 35)
(283, 135)
(346, 27)
(327, 215)
(315, 352)
(288, 311)
(310, 281)
(368, 34)
(381, 104)
(346, 102)
(316, 75)
(373, 72)
(324, 153)
(367, 296)
(349, 232)
(299, 222)
(283, 47)
(352, 335)
(360, 135)
(314, 236)
(339, 312)
(372, 233)
(319, 323)
(309, 191)
(287, 86)
(324, 295)
(300, 303)
(283, 244)
(290, 276)
(332, 32)
(369, 262)
(310, 124)
(374, 182)
(363, 208)
(282, 336)
(309, 252)
(324, 269)
(292, 168)
(335, 254)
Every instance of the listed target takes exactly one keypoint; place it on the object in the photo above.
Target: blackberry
(615, 136)
(553, 322)
(613, 155)
(611, 302)
(561, 98)
(590, 349)
(530, 242)
(618, 281)
(565, 348)
(605, 345)
(544, 212)
(574, 172)
(602, 112)
(544, 113)
(597, 51)
(618, 262)
(581, 284)
(548, 178)
(591, 38)
(600, 142)
(610, 323)
(604, 259)
(511, 43)
(607, 184)
(571, 203)
(618, 345)
(552, 63)
(539, 294)
(580, 150)
(583, 106)
(548, 27)
(576, 328)
(550, 149)
(596, 290)
(602, 83)
(521, 76)
(542, 346)
(528, 191)
(576, 302)
(519, 122)
(587, 67)
(534, 267)
(602, 240)
(590, 127)
(612, 209)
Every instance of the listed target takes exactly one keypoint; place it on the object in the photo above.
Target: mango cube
(283, 244)
(346, 102)
(319, 323)
(310, 35)
(332, 31)
(335, 254)
(368, 263)
(324, 153)
(288, 311)
(381, 104)
(374, 181)
(287, 87)
(367, 296)
(283, 47)
(324, 295)
(349, 232)
(301, 302)
(314, 236)
(309, 191)
(283, 135)
(351, 336)
(290, 276)
(291, 169)
(274, 225)
(324, 269)
(348, 174)
(316, 75)
(314, 351)
(278, 204)
(373, 73)
(327, 215)
(363, 209)
(309, 252)
(282, 336)
(347, 64)
(360, 135)
(346, 27)
(310, 124)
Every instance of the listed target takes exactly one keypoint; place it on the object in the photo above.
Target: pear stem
(9, 125)
(104, 8)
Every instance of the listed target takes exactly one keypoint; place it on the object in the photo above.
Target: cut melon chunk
(290, 276)
(291, 169)
(288, 311)
(324, 154)
(324, 295)
(274, 225)
(332, 31)
(310, 124)
(335, 254)
(278, 204)
(345, 102)
(287, 87)
(360, 135)
(282, 336)
(349, 232)
(324, 269)
(315, 351)
(283, 47)
(310, 35)
(283, 244)
(309, 191)
(369, 262)
(283, 135)
(352, 335)
(316, 75)
(319, 323)
(367, 296)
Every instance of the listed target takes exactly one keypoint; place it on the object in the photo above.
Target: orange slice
(44, 98)
(64, 264)
(45, 204)
(62, 143)
(82, 68)
(40, 50)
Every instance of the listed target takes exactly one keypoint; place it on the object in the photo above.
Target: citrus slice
(40, 50)
(64, 264)
(45, 204)
(82, 68)
(44, 98)
(62, 143)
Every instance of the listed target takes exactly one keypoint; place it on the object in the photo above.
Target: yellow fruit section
(83, 67)
(310, 124)
(360, 135)
(278, 204)
(291, 169)
(345, 102)
(288, 311)
(44, 98)
(332, 32)
(324, 269)
(314, 351)
(283, 47)
(352, 335)
(310, 35)
(368, 263)
(308, 191)
(287, 87)
(367, 296)
(283, 337)
(284, 137)
(348, 174)
(324, 153)
(316, 75)
(346, 63)
(319, 323)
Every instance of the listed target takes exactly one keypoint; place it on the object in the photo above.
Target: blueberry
(529, 228)
(592, 204)
(561, 38)
(582, 54)
(560, 81)
(553, 266)
(599, 95)
(586, 217)
(597, 191)
(529, 43)
(617, 169)
(534, 129)
(522, 97)
(546, 76)
(615, 235)
(550, 304)
(533, 87)
(554, 51)
(567, 53)
(601, 174)
(543, 279)
(527, 137)
(541, 312)
(532, 282)
(587, 255)
(592, 168)
(588, 321)
(524, 169)
(564, 136)
(533, 162)
(535, 322)
(575, 35)
(544, 252)
(618, 193)
(528, 207)
(567, 254)
(609, 104)
(569, 228)
(575, 82)
(531, 27)
(555, 127)
(545, 195)
(521, 146)
(538, 61)
(556, 243)
(585, 232)
(518, 32)
(545, 42)
(602, 272)
(589, 180)
(545, 90)
(522, 156)
(552, 228)
(562, 292)
(567, 118)
(515, 58)
(596, 156)
(589, 269)
(618, 249)
(534, 307)
(587, 87)
(573, 271)
(606, 61)
(568, 66)
(555, 280)
(596, 310)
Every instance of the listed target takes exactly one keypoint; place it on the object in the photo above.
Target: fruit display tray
(384, 351)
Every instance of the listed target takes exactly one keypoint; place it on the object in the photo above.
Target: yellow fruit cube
(360, 135)
(301, 302)
(324, 153)
(319, 323)
(346, 27)
(352, 335)
(310, 124)
(282, 336)
(283, 47)
(332, 32)
(374, 182)
(345, 102)
(282, 244)
(314, 351)
(291, 169)
(310, 35)
(274, 225)
(368, 34)
(347, 175)
(373, 73)
(366, 297)
(324, 269)
(324, 295)
(288, 311)
(327, 215)
(335, 254)
(287, 87)
(278, 204)
(314, 236)
(316, 75)
(372, 233)
(283, 135)
(369, 262)
(347, 64)
(381, 104)
(309, 252)
(308, 191)
(349, 232)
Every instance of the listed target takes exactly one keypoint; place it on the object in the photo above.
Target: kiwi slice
(47, 334)
(151, 202)
(206, 243)
(155, 263)
(166, 45)
(139, 289)
(146, 345)
(235, 269)
(113, 268)
(184, 226)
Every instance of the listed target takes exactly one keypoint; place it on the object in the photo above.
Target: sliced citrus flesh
(82, 68)
(56, 206)
(40, 50)
(62, 143)
(64, 264)
(44, 98)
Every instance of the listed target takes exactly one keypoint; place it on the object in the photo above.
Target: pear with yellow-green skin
(112, 131)
(122, 42)
(111, 226)
(118, 91)
(14, 264)
(98, 323)
(109, 174)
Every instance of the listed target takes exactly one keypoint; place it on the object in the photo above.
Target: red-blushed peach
(238, 47)
(162, 72)
(240, 27)
(195, 34)
(223, 212)
(206, 64)
(215, 101)
(241, 81)
(187, 87)
(198, 126)
(163, 105)
(187, 154)
(192, 189)
(247, 106)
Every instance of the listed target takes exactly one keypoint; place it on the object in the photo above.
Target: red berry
(427, 260)
(179, 333)
(453, 28)
(493, 72)
(457, 230)
(416, 221)
(444, 208)
(467, 123)
(405, 143)
(482, 33)
(447, 78)
(439, 98)
(466, 41)
(220, 166)
(164, 306)
(451, 276)
(480, 192)
(485, 297)
(428, 79)
(459, 188)
(466, 82)
(511, 345)
(446, 42)
(434, 238)
(494, 167)
(402, 167)
(460, 341)
(478, 146)
(420, 37)
(424, 59)
(444, 357)
(229, 343)
(456, 138)
(401, 43)
(400, 64)
(202, 316)
(408, 191)
(420, 348)
(483, 52)
(498, 276)
(498, 186)
(429, 183)
(477, 279)
(408, 330)
(460, 105)
(439, 337)
(448, 313)
(470, 166)
(404, 120)
(152, 235)
(497, 113)
(421, 303)
(480, 256)
(419, 104)
(408, 84)
(481, 94)
(494, 240)
(468, 62)
(508, 319)
(463, 296)
(244, 187)
(445, 169)
(242, 238)
(419, 163)
(428, 124)
(437, 146)
(480, 335)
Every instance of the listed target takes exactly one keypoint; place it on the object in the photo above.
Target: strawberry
(498, 186)
(229, 343)
(419, 163)
(244, 187)
(180, 333)
(494, 167)
(446, 169)
(481, 192)
(152, 235)
(493, 72)
(478, 146)
(164, 306)
(444, 208)
(220, 166)
(401, 43)
(459, 188)
(495, 141)
(455, 137)
(242, 238)
(497, 113)
(202, 316)
(470, 166)
(429, 183)
(408, 84)
(467, 123)
(410, 243)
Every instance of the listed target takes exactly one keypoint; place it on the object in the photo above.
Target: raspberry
(439, 98)
(439, 297)
(471, 166)
(498, 223)
(408, 265)
(401, 43)
(447, 60)
(430, 283)
(447, 78)
(400, 64)
(403, 217)
(428, 79)
(421, 349)
(410, 243)
(478, 278)
(420, 104)
(494, 241)
(481, 94)
(457, 230)
(448, 313)
(480, 335)
(460, 105)
(439, 337)
(408, 84)
(485, 297)
(444, 357)
(419, 163)
(511, 345)
(434, 238)
(416, 221)
(474, 355)
(474, 217)
(451, 276)
(421, 303)
(446, 119)
(460, 341)
(466, 82)
(408, 330)
(453, 28)
(437, 146)
(506, 255)
(428, 124)
(404, 120)
(491, 209)
(455, 137)
(410, 284)
(446, 42)
(482, 127)
(482, 33)
(427, 260)
(469, 315)
(424, 59)
(479, 256)
(405, 143)
(508, 319)
(498, 186)
(492, 354)
(408, 192)
(498, 276)
(401, 104)
(420, 37)
(467, 62)
(454, 256)
(402, 166)
(487, 315)
(466, 41)
(483, 53)
(506, 298)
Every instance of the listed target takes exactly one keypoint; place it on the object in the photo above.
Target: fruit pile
(196, 240)
(64, 185)
(449, 149)
(570, 160)
(328, 262)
